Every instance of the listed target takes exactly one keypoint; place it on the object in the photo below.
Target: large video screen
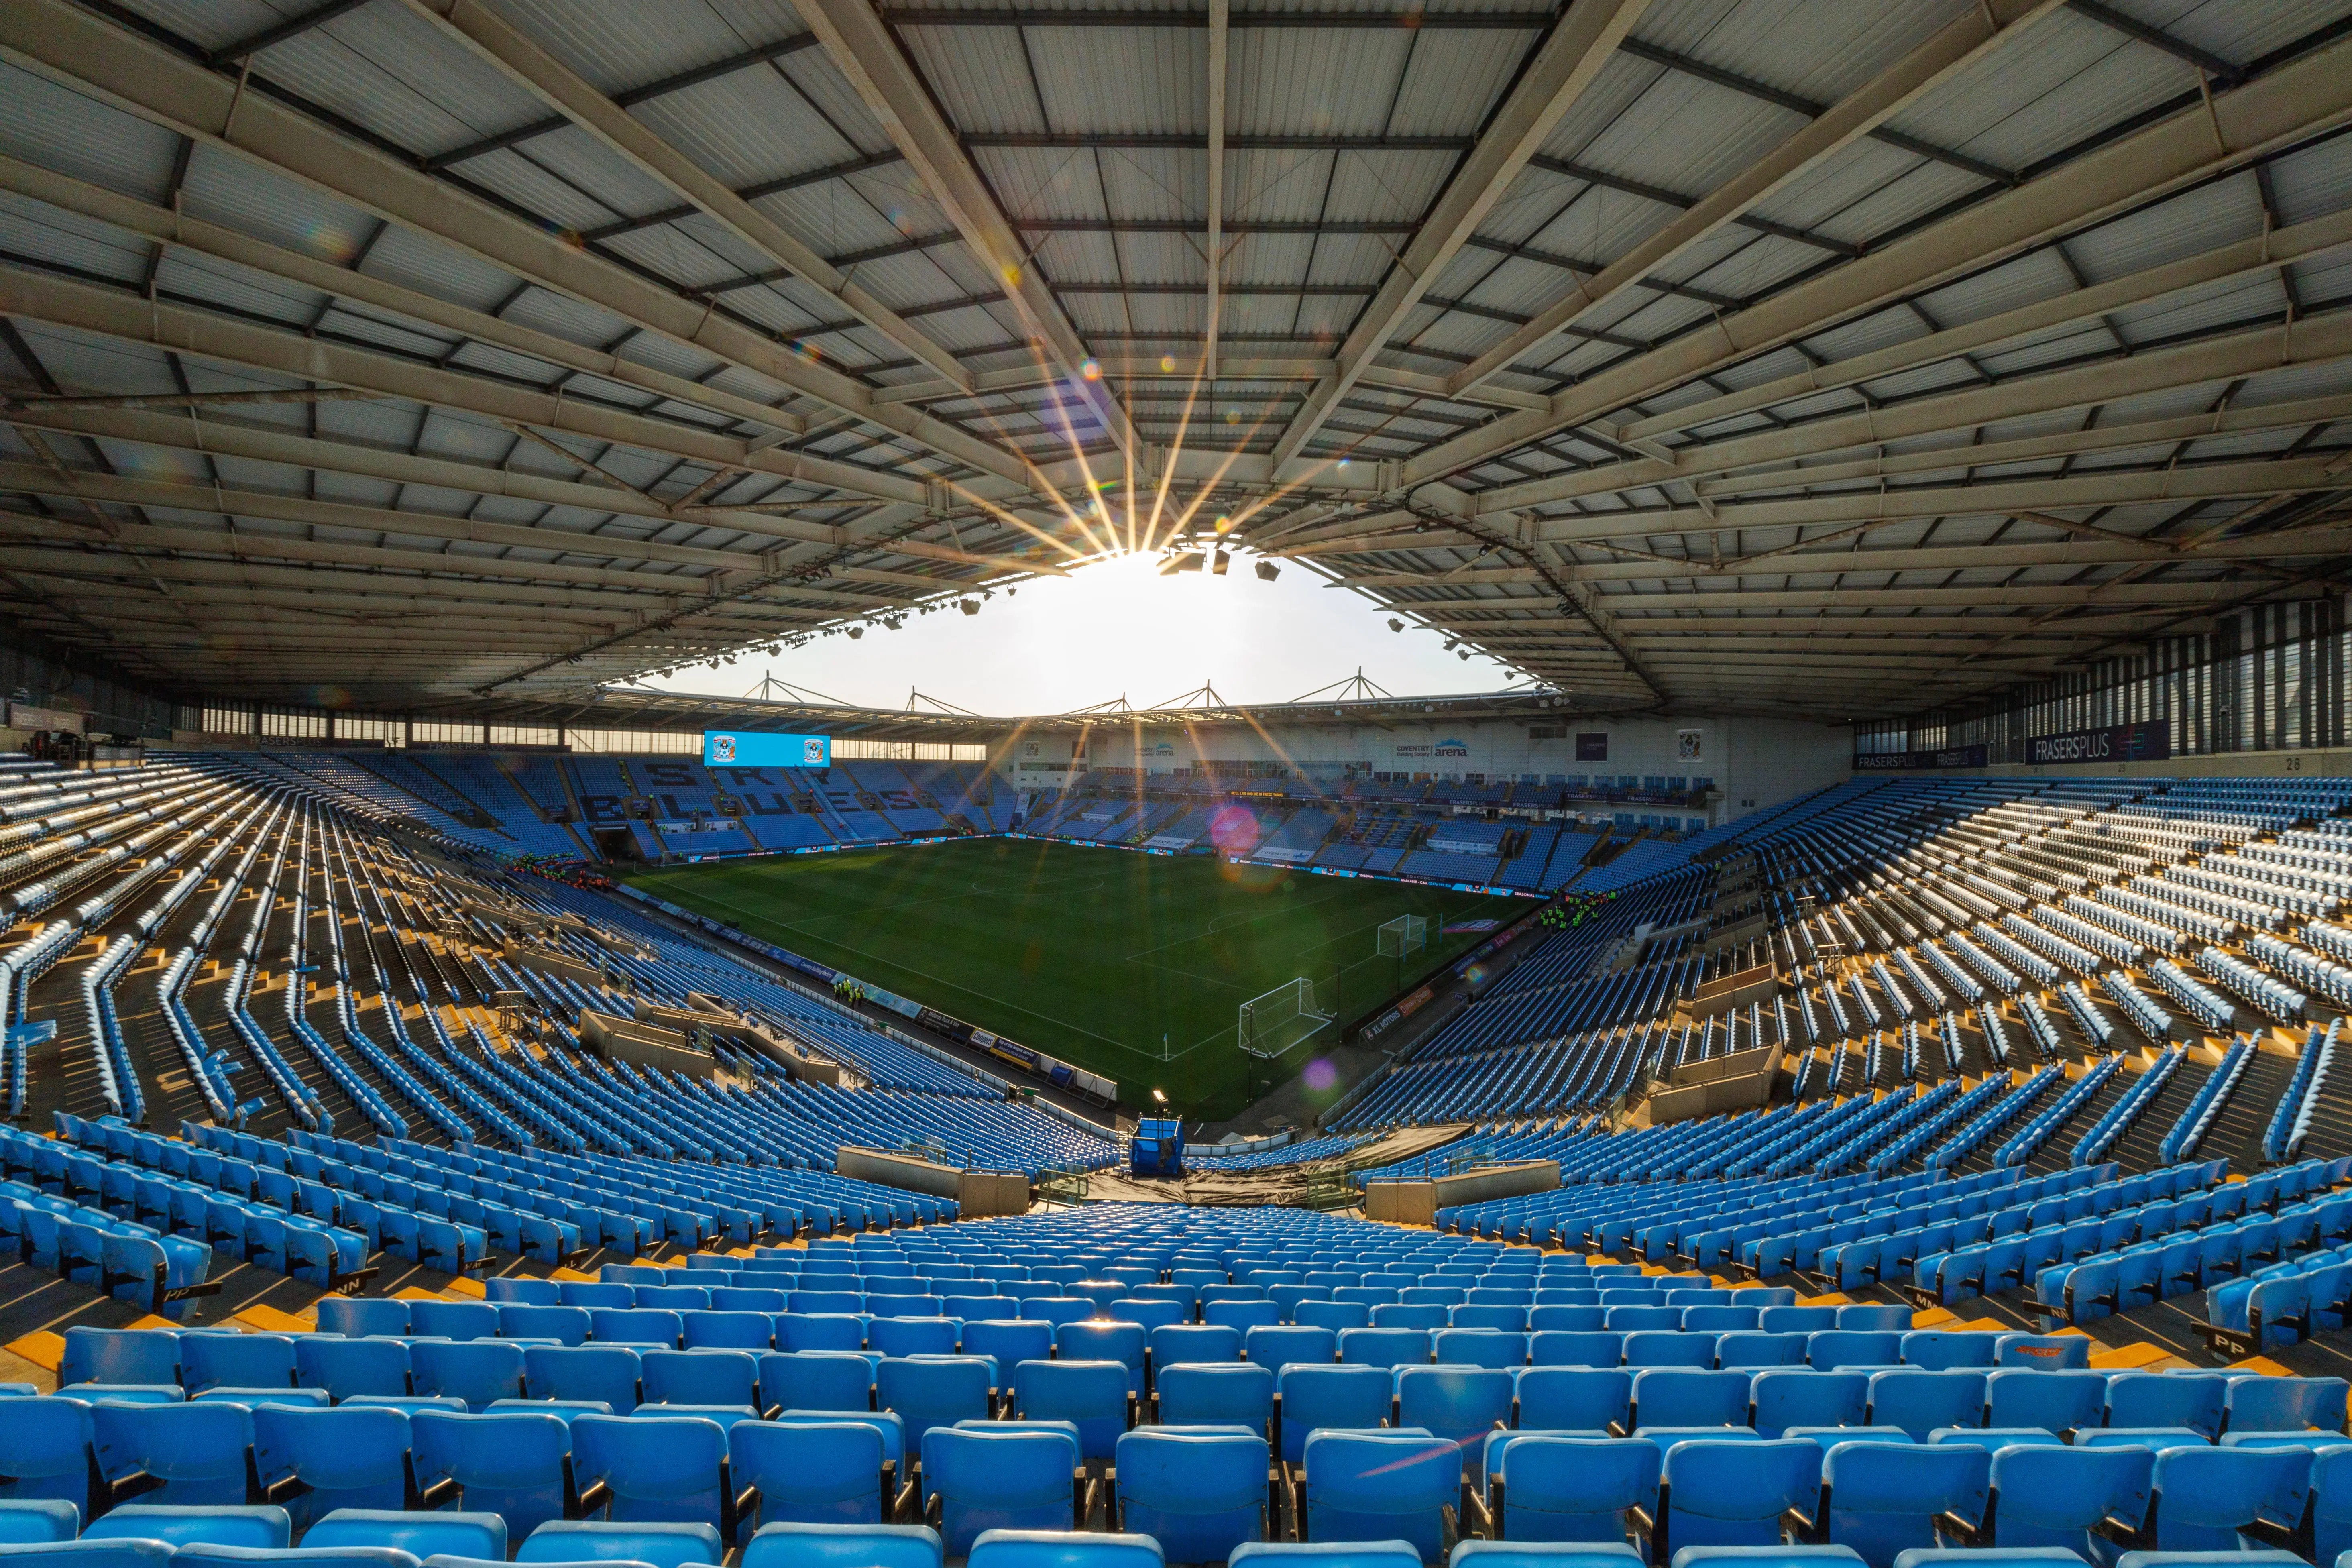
(754, 749)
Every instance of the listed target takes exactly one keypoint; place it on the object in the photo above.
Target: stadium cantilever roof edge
(634, 709)
(465, 356)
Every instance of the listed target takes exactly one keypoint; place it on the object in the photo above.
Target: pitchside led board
(752, 749)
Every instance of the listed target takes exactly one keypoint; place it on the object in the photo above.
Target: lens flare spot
(1091, 371)
(1320, 1074)
(1167, 364)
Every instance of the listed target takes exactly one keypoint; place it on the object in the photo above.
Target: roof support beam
(2002, 499)
(252, 44)
(85, 53)
(2302, 97)
(2312, 340)
(1861, 112)
(861, 46)
(1564, 64)
(661, 86)
(179, 231)
(2005, 557)
(284, 352)
(1220, 15)
(2239, 260)
(505, 50)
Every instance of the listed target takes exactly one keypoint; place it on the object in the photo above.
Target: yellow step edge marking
(2263, 1364)
(573, 1277)
(270, 1320)
(465, 1286)
(149, 1320)
(43, 1349)
(2138, 1356)
(417, 1293)
(1933, 1318)
(1834, 1298)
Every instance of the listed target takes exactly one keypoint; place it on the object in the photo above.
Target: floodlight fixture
(1217, 568)
(856, 632)
(968, 606)
(1268, 571)
(1395, 625)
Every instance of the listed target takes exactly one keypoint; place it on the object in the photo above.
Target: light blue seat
(1063, 1549)
(817, 1380)
(935, 1391)
(2205, 1498)
(97, 1554)
(2068, 1498)
(1575, 1399)
(511, 1464)
(1018, 1478)
(812, 1473)
(1690, 1396)
(1732, 1493)
(476, 1371)
(421, 1533)
(670, 1545)
(1313, 1397)
(698, 1377)
(197, 1453)
(1198, 1493)
(1563, 1488)
(316, 1461)
(1919, 1402)
(46, 1441)
(1883, 1499)
(1090, 1397)
(1380, 1486)
(1215, 1393)
(230, 1524)
(39, 1520)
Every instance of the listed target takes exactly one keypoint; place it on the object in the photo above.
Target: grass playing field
(1091, 955)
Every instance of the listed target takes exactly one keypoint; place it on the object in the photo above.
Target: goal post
(1281, 1020)
(1403, 935)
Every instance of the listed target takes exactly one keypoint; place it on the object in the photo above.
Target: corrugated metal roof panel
(621, 44)
(74, 133)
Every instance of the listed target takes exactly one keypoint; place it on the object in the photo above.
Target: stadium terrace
(1827, 1058)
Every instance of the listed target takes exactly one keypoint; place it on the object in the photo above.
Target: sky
(1118, 628)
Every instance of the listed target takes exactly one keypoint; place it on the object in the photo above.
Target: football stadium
(1785, 1015)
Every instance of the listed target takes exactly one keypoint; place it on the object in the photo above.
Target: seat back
(1011, 1479)
(1574, 1488)
(1092, 1396)
(1380, 1486)
(1214, 1393)
(1572, 1399)
(1690, 1396)
(660, 1469)
(1459, 1403)
(934, 1391)
(810, 1473)
(2057, 1497)
(2205, 1497)
(1734, 1493)
(1336, 1397)
(1884, 1497)
(1919, 1402)
(1198, 1494)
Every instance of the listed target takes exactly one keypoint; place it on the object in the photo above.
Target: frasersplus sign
(2117, 743)
(1910, 762)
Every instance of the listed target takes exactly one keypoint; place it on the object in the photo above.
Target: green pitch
(1091, 955)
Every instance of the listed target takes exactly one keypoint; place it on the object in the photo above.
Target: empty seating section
(252, 957)
(1146, 1383)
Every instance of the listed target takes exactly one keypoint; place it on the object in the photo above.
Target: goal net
(1282, 1019)
(1403, 935)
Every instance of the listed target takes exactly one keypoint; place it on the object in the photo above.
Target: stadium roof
(1832, 359)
